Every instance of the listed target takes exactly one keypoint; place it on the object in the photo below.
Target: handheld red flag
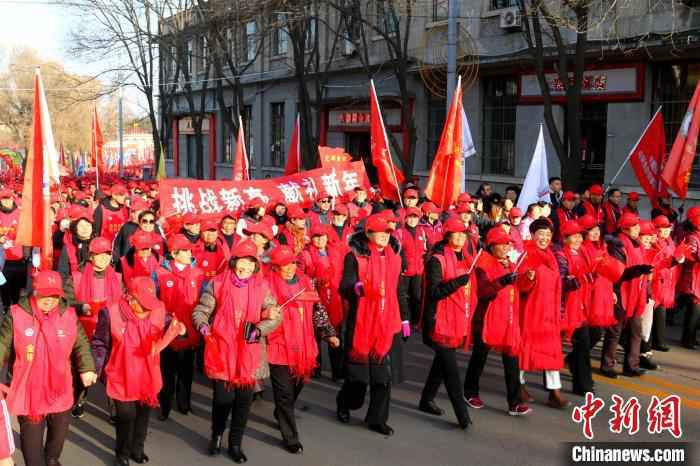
(294, 156)
(390, 177)
(240, 163)
(647, 158)
(677, 169)
(96, 142)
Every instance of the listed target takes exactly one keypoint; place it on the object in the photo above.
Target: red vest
(112, 221)
(25, 398)
(601, 304)
(665, 277)
(180, 294)
(612, 215)
(575, 301)
(9, 222)
(634, 292)
(103, 294)
(133, 374)
(414, 250)
(211, 262)
(453, 315)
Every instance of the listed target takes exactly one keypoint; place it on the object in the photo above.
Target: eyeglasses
(325, 201)
(150, 221)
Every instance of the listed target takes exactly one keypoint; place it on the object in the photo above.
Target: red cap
(144, 290)
(282, 255)
(646, 228)
(319, 230)
(294, 211)
(515, 213)
(139, 203)
(180, 242)
(454, 225)
(570, 227)
(6, 193)
(245, 248)
(48, 283)
(268, 220)
(210, 224)
(412, 211)
(341, 209)
(78, 195)
(429, 208)
(587, 222)
(497, 235)
(410, 194)
(100, 245)
(596, 189)
(464, 197)
(76, 212)
(141, 240)
(389, 215)
(261, 228)
(568, 196)
(628, 220)
(189, 219)
(633, 196)
(464, 208)
(118, 190)
(377, 222)
(662, 222)
(255, 203)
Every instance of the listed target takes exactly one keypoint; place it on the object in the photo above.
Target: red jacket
(414, 250)
(611, 214)
(211, 262)
(9, 222)
(179, 291)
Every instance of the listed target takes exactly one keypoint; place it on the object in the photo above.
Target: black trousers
(31, 434)
(445, 369)
(414, 297)
(477, 362)
(352, 396)
(177, 368)
(630, 330)
(234, 401)
(79, 391)
(132, 427)
(337, 357)
(658, 327)
(16, 275)
(691, 319)
(583, 340)
(285, 390)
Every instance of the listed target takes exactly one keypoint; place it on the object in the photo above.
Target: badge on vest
(169, 283)
(29, 356)
(29, 332)
(60, 333)
(156, 247)
(205, 263)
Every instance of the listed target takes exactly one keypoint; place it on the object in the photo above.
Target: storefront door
(594, 135)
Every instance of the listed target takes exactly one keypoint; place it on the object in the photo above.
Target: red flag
(34, 228)
(390, 177)
(294, 157)
(677, 169)
(96, 142)
(444, 182)
(647, 157)
(240, 163)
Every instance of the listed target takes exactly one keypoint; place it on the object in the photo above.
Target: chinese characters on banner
(662, 415)
(220, 197)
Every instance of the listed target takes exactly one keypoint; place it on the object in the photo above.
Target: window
(247, 117)
(436, 120)
(173, 61)
(500, 100)
(280, 37)
(277, 135)
(310, 39)
(440, 10)
(386, 19)
(204, 44)
(189, 58)
(674, 89)
(498, 4)
(251, 40)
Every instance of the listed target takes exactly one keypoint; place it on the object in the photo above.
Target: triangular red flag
(647, 158)
(294, 156)
(240, 163)
(390, 177)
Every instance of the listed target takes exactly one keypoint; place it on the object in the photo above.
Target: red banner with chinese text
(208, 197)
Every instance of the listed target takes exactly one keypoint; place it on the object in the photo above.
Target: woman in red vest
(576, 278)
(76, 241)
(46, 338)
(209, 254)
(292, 348)
(129, 337)
(495, 323)
(450, 300)
(96, 286)
(663, 285)
(112, 213)
(294, 232)
(179, 284)
(139, 261)
(414, 251)
(235, 312)
(540, 314)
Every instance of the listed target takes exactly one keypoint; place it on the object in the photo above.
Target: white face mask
(64, 224)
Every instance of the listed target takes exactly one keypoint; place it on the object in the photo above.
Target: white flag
(52, 173)
(467, 142)
(536, 185)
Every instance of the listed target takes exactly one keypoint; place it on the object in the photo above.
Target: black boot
(237, 454)
(431, 407)
(214, 445)
(658, 330)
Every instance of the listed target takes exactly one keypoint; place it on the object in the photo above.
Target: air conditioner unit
(510, 18)
(348, 47)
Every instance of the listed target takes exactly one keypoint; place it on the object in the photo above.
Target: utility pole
(453, 7)
(121, 133)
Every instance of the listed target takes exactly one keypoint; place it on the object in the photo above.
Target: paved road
(495, 439)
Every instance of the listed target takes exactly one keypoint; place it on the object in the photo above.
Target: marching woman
(576, 277)
(413, 247)
(46, 338)
(139, 261)
(76, 242)
(291, 348)
(540, 314)
(450, 301)
(129, 337)
(96, 286)
(179, 283)
(495, 322)
(294, 233)
(235, 312)
(210, 254)
(377, 313)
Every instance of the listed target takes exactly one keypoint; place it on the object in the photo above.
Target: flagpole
(299, 167)
(634, 148)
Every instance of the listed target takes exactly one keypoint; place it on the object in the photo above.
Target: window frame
(277, 135)
(504, 108)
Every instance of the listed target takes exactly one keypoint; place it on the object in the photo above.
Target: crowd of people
(140, 302)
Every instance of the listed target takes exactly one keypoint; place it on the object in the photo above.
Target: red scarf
(501, 323)
(84, 293)
(71, 251)
(601, 304)
(453, 315)
(297, 326)
(227, 355)
(378, 318)
(575, 301)
(327, 271)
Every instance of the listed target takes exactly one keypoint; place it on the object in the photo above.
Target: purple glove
(405, 329)
(204, 330)
(253, 336)
(359, 289)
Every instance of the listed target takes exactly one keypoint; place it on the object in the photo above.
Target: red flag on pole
(240, 163)
(34, 227)
(647, 158)
(294, 156)
(96, 142)
(677, 169)
(445, 180)
(390, 177)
